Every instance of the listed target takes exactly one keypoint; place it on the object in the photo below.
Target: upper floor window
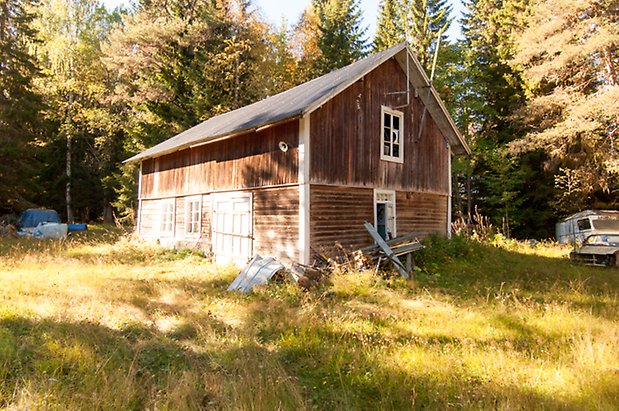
(392, 147)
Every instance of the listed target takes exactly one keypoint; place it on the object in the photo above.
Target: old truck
(577, 227)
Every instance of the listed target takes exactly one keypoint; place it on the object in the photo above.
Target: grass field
(99, 322)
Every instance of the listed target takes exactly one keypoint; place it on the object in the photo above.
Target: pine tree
(304, 41)
(569, 56)
(181, 65)
(20, 107)
(284, 67)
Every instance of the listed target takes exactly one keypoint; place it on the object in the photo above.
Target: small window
(167, 217)
(193, 216)
(392, 135)
(584, 224)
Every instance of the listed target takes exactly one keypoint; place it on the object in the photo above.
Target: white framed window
(166, 218)
(392, 135)
(384, 213)
(193, 216)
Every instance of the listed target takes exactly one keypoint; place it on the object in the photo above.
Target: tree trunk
(108, 211)
(469, 197)
(68, 197)
(610, 66)
(68, 169)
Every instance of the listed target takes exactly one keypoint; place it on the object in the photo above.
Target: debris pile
(37, 223)
(307, 276)
(260, 270)
(392, 250)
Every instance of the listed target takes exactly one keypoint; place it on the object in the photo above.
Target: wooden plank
(388, 253)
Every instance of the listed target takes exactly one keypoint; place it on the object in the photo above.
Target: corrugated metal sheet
(257, 272)
(290, 104)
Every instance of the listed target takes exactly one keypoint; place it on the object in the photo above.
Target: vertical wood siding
(251, 160)
(346, 138)
(276, 223)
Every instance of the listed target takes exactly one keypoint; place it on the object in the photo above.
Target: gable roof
(305, 98)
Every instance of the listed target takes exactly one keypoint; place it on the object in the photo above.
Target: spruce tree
(420, 22)
(341, 37)
(427, 20)
(390, 27)
(20, 107)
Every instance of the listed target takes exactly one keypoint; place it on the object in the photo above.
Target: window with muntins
(193, 216)
(167, 217)
(392, 135)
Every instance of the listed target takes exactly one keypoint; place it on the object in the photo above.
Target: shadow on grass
(347, 370)
(83, 365)
(70, 359)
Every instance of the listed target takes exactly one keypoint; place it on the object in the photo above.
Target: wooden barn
(303, 169)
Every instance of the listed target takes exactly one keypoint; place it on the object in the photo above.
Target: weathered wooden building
(307, 167)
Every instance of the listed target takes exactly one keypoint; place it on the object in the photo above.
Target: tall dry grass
(102, 322)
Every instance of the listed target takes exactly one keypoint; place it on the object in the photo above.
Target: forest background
(532, 85)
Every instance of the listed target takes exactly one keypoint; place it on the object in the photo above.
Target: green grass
(101, 322)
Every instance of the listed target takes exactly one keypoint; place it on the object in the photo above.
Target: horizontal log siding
(337, 214)
(150, 218)
(251, 160)
(179, 228)
(345, 138)
(205, 233)
(276, 223)
(421, 212)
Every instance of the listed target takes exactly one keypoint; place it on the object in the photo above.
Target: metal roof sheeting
(296, 102)
(257, 272)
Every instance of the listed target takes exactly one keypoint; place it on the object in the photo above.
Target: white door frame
(218, 197)
(378, 191)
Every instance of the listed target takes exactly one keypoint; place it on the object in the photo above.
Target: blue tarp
(32, 218)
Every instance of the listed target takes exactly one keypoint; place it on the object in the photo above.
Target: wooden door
(231, 227)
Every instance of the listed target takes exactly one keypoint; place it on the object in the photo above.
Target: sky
(273, 10)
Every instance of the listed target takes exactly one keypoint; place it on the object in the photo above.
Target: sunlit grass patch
(118, 324)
